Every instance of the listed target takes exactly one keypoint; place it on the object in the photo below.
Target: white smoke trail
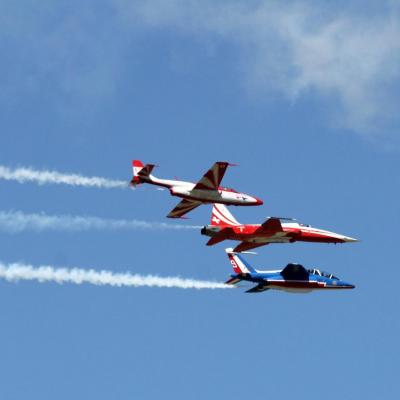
(16, 222)
(23, 175)
(16, 272)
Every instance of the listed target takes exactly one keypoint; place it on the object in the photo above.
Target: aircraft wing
(183, 208)
(213, 177)
(261, 287)
(220, 236)
(244, 246)
(273, 224)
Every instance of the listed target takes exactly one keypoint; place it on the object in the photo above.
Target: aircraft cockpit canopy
(293, 220)
(316, 271)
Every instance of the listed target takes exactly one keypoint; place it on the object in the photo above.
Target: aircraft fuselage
(274, 280)
(291, 232)
(223, 196)
(186, 190)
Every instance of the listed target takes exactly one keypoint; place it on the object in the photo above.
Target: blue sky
(303, 97)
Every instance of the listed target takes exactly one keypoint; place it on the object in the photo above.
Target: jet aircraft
(292, 278)
(207, 190)
(224, 226)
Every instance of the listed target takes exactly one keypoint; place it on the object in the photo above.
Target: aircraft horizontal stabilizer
(232, 281)
(146, 170)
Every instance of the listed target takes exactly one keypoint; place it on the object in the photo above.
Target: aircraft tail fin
(220, 216)
(141, 172)
(239, 265)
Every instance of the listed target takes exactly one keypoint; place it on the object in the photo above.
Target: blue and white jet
(292, 278)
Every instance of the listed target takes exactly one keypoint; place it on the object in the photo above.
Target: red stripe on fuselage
(297, 284)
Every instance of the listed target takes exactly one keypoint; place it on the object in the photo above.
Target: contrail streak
(17, 221)
(23, 175)
(16, 272)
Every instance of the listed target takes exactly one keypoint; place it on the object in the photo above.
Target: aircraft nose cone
(259, 202)
(346, 285)
(350, 239)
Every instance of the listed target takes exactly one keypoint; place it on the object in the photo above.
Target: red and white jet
(224, 226)
(207, 190)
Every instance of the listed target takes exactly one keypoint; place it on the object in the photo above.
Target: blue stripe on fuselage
(248, 266)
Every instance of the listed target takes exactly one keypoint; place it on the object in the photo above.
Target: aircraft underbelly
(294, 290)
(295, 286)
(278, 238)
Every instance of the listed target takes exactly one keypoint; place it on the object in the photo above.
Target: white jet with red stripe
(224, 226)
(207, 190)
